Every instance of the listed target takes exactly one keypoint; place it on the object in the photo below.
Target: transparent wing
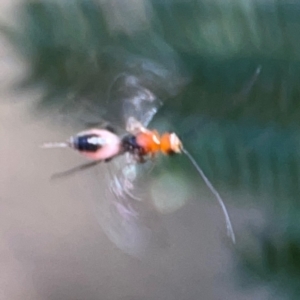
(140, 91)
(130, 98)
(125, 212)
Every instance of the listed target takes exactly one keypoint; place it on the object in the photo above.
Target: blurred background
(227, 75)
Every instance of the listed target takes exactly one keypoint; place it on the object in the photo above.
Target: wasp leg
(74, 170)
(110, 128)
(122, 190)
(127, 187)
(153, 161)
(100, 124)
(89, 125)
(138, 158)
(128, 193)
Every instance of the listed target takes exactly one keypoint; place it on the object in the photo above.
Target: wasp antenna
(55, 145)
(230, 231)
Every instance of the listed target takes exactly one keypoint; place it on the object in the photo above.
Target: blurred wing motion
(130, 217)
(126, 214)
(129, 98)
(125, 211)
(139, 91)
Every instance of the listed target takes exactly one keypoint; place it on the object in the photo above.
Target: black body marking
(129, 144)
(171, 153)
(88, 143)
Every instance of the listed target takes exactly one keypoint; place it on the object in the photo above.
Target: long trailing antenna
(229, 228)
